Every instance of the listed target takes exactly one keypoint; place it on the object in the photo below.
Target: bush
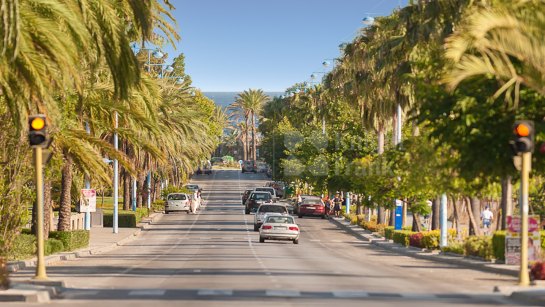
(53, 246)
(71, 240)
(498, 245)
(480, 246)
(431, 239)
(402, 237)
(454, 247)
(415, 239)
(389, 232)
(126, 218)
(24, 247)
(537, 272)
(158, 205)
(353, 219)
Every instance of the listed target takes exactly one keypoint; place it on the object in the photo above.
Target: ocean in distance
(224, 99)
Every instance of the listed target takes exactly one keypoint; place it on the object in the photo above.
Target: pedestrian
(327, 203)
(337, 204)
(194, 203)
(486, 217)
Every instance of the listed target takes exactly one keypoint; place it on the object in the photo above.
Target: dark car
(256, 199)
(246, 194)
(312, 207)
(249, 166)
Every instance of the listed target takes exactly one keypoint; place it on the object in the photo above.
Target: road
(214, 258)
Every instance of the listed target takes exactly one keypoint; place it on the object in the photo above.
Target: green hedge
(498, 244)
(480, 246)
(454, 247)
(53, 246)
(389, 232)
(402, 237)
(71, 240)
(126, 219)
(24, 247)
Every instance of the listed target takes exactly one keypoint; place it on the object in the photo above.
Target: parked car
(279, 227)
(245, 195)
(303, 197)
(267, 189)
(192, 187)
(265, 209)
(256, 199)
(289, 205)
(249, 166)
(312, 207)
(177, 202)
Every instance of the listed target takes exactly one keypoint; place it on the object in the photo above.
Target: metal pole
(443, 221)
(524, 279)
(116, 177)
(133, 194)
(398, 126)
(87, 186)
(40, 265)
(148, 179)
(347, 203)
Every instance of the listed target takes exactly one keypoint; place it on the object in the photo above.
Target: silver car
(177, 202)
(279, 227)
(264, 209)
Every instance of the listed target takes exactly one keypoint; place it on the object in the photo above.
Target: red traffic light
(523, 137)
(522, 129)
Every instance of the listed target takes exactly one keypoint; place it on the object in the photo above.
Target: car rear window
(312, 201)
(265, 189)
(260, 196)
(280, 219)
(176, 197)
(273, 209)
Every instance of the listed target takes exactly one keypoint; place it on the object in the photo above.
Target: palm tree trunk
(47, 208)
(65, 210)
(380, 210)
(474, 206)
(435, 206)
(254, 145)
(139, 189)
(126, 190)
(457, 217)
(506, 200)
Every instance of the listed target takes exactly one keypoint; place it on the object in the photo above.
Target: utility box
(97, 218)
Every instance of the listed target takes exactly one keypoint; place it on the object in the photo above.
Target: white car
(177, 202)
(279, 227)
(267, 189)
(265, 209)
(192, 187)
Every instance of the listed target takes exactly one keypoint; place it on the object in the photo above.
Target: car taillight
(267, 227)
(294, 228)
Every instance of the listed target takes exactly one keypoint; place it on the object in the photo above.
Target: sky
(233, 45)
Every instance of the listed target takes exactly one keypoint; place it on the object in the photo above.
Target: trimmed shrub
(480, 246)
(353, 219)
(389, 232)
(402, 237)
(53, 246)
(415, 239)
(498, 245)
(430, 239)
(24, 247)
(158, 205)
(71, 240)
(454, 247)
(537, 272)
(126, 218)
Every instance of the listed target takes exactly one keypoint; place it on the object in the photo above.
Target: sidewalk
(101, 240)
(532, 294)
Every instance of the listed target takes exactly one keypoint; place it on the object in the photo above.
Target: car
(289, 205)
(192, 187)
(208, 170)
(249, 166)
(312, 206)
(262, 167)
(303, 197)
(265, 209)
(256, 199)
(267, 189)
(245, 195)
(279, 227)
(177, 202)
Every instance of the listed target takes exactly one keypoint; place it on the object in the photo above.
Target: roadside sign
(240, 162)
(88, 200)
(512, 239)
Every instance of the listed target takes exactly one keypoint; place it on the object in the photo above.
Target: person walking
(337, 204)
(327, 203)
(486, 217)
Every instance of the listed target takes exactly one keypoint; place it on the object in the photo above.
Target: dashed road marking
(350, 294)
(283, 293)
(150, 292)
(215, 292)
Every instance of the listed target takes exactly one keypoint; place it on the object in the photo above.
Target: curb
(25, 295)
(15, 266)
(367, 236)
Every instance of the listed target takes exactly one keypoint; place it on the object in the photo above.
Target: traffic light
(37, 130)
(523, 136)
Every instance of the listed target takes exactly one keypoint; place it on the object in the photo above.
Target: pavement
(534, 293)
(101, 240)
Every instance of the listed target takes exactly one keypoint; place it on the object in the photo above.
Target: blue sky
(233, 45)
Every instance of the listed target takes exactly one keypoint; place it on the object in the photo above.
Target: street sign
(398, 225)
(88, 200)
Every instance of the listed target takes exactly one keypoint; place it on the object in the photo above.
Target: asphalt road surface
(214, 258)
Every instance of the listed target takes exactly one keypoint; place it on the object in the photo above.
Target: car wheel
(261, 240)
(166, 212)
(187, 212)
(247, 211)
(256, 228)
(296, 241)
(323, 216)
(300, 216)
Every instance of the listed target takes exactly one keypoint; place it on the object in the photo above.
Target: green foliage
(72, 240)
(173, 189)
(479, 246)
(498, 245)
(454, 247)
(23, 247)
(53, 246)
(402, 237)
(389, 232)
(158, 205)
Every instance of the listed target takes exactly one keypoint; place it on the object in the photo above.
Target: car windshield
(192, 187)
(261, 196)
(280, 219)
(177, 197)
(312, 201)
(265, 189)
(272, 208)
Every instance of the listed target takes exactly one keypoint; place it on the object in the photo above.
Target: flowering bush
(537, 272)
(415, 239)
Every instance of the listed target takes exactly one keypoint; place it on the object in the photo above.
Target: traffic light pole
(524, 279)
(40, 265)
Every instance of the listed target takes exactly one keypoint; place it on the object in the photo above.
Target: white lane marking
(197, 271)
(215, 292)
(283, 293)
(148, 292)
(315, 240)
(350, 294)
